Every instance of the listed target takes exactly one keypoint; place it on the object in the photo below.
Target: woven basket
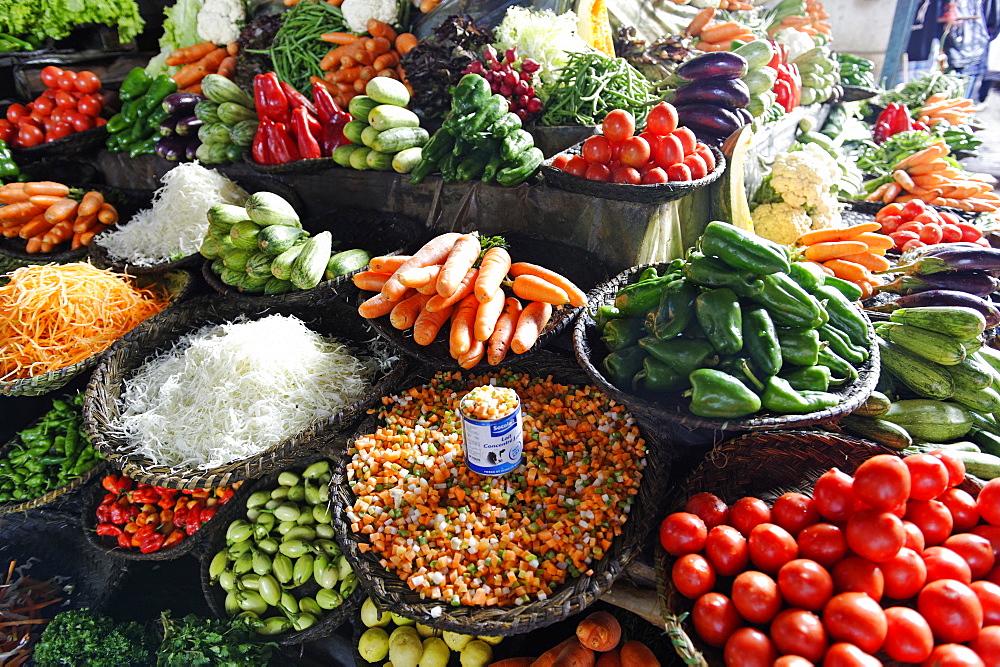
(764, 465)
(641, 194)
(215, 596)
(670, 414)
(78, 142)
(101, 403)
(57, 541)
(570, 598)
(306, 166)
(858, 93)
(580, 266)
(177, 283)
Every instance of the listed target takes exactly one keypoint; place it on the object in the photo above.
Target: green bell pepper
(144, 147)
(621, 333)
(648, 274)
(515, 144)
(604, 315)
(471, 93)
(789, 304)
(779, 397)
(718, 312)
(641, 297)
(658, 377)
(720, 395)
(810, 378)
(621, 365)
(744, 250)
(161, 86)
(8, 168)
(506, 124)
(760, 343)
(845, 316)
(807, 274)
(739, 368)
(521, 167)
(135, 84)
(841, 344)
(840, 370)
(491, 111)
(472, 166)
(713, 272)
(492, 167)
(799, 347)
(130, 112)
(683, 356)
(675, 310)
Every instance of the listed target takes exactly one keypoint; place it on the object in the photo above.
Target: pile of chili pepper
(150, 518)
(788, 85)
(292, 127)
(894, 119)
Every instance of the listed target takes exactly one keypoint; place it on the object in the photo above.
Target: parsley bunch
(194, 641)
(83, 637)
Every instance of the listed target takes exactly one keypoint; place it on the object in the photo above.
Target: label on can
(493, 447)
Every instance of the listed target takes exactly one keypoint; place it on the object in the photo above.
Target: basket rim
(72, 143)
(302, 166)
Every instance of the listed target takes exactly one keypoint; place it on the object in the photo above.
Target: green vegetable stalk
(84, 637)
(591, 85)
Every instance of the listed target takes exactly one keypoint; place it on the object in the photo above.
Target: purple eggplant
(168, 126)
(732, 93)
(188, 126)
(718, 65)
(979, 283)
(709, 119)
(192, 148)
(181, 104)
(171, 148)
(951, 298)
(956, 259)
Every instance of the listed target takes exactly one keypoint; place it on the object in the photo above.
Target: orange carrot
(359, 86)
(34, 245)
(875, 241)
(14, 192)
(821, 252)
(513, 662)
(699, 21)
(546, 659)
(46, 188)
(60, 232)
(492, 270)
(335, 3)
(86, 237)
(369, 280)
(386, 60)
(194, 88)
(227, 67)
(428, 324)
(367, 73)
(438, 302)
(91, 203)
(190, 54)
(83, 223)
(196, 71)
(530, 324)
(503, 332)
(719, 32)
(533, 288)
(487, 315)
(609, 659)
(870, 261)
(433, 252)
(107, 214)
(575, 655)
(35, 227)
(473, 355)
(339, 37)
(405, 42)
(463, 255)
(61, 210)
(404, 313)
(419, 277)
(386, 264)
(850, 271)
(462, 320)
(24, 210)
(377, 306)
(388, 73)
(428, 5)
(233, 48)
(346, 74)
(44, 200)
(829, 235)
(381, 29)
(575, 294)
(377, 46)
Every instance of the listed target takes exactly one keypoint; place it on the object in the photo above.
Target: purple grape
(530, 66)
(534, 105)
(522, 114)
(522, 101)
(490, 54)
(511, 79)
(475, 67)
(504, 90)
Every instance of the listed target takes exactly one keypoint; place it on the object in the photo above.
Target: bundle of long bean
(591, 85)
(297, 48)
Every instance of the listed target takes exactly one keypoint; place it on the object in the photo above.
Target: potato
(476, 653)
(456, 641)
(401, 620)
(436, 653)
(405, 649)
(427, 631)
(371, 616)
(374, 645)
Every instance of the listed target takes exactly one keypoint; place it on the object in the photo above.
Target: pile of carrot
(926, 175)
(46, 214)
(813, 23)
(464, 539)
(942, 109)
(199, 60)
(451, 277)
(356, 59)
(21, 622)
(851, 254)
(718, 36)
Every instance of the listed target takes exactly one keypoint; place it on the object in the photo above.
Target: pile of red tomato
(72, 102)
(916, 224)
(893, 562)
(662, 153)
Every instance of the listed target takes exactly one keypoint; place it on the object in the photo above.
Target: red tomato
(991, 533)
(824, 543)
(756, 596)
(843, 654)
(914, 536)
(748, 647)
(576, 166)
(65, 101)
(669, 151)
(987, 645)
(618, 125)
(892, 209)
(988, 502)
(655, 175)
(883, 482)
(856, 618)
(904, 575)
(910, 245)
(771, 547)
(693, 575)
(596, 149)
(635, 152)
(40, 118)
(964, 512)
(989, 598)
(970, 233)
(597, 171)
(727, 550)
(911, 226)
(933, 519)
(58, 130)
(559, 162)
(856, 574)
(952, 655)
(908, 637)
(28, 136)
(974, 550)
(955, 466)
(875, 535)
(616, 152)
(688, 140)
(833, 496)
(952, 610)
(705, 153)
(678, 172)
(794, 511)
(928, 476)
(697, 166)
(993, 575)
(943, 563)
(87, 82)
(792, 661)
(928, 216)
(709, 507)
(50, 76)
(715, 618)
(653, 140)
(890, 223)
(67, 80)
(662, 119)
(902, 238)
(913, 208)
(7, 130)
(682, 533)
(626, 175)
(799, 632)
(950, 233)
(78, 120)
(43, 105)
(931, 233)
(16, 112)
(747, 513)
(805, 584)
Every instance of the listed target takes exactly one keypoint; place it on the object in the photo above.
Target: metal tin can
(493, 446)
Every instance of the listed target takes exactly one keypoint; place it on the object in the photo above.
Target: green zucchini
(985, 399)
(278, 286)
(276, 239)
(400, 138)
(881, 431)
(254, 283)
(922, 376)
(309, 266)
(875, 405)
(259, 265)
(359, 158)
(388, 116)
(243, 133)
(930, 345)
(379, 161)
(971, 374)
(353, 130)
(267, 208)
(218, 266)
(231, 277)
(990, 355)
(345, 262)
(213, 132)
(987, 442)
(342, 154)
(207, 112)
(244, 234)
(209, 248)
(231, 113)
(930, 420)
(281, 267)
(219, 89)
(224, 216)
(982, 465)
(360, 106)
(236, 260)
(957, 321)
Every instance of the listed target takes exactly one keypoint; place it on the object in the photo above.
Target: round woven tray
(56, 540)
(177, 283)
(584, 268)
(78, 142)
(570, 598)
(307, 166)
(640, 194)
(763, 465)
(215, 596)
(666, 412)
(101, 403)
(109, 545)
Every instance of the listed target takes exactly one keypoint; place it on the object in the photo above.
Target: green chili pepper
(744, 250)
(810, 378)
(622, 333)
(845, 316)
(789, 304)
(135, 84)
(604, 315)
(781, 398)
(648, 274)
(798, 346)
(621, 365)
(718, 312)
(760, 343)
(720, 395)
(807, 274)
(682, 356)
(639, 298)
(471, 93)
(658, 377)
(840, 370)
(713, 272)
(847, 288)
(160, 87)
(675, 310)
(841, 344)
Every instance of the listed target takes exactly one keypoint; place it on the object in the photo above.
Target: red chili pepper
(103, 513)
(173, 538)
(282, 148)
(192, 527)
(180, 517)
(305, 141)
(271, 99)
(116, 484)
(297, 100)
(151, 543)
(108, 529)
(124, 541)
(333, 135)
(783, 94)
(259, 150)
(796, 81)
(118, 514)
(144, 532)
(109, 498)
(776, 58)
(326, 107)
(206, 514)
(226, 495)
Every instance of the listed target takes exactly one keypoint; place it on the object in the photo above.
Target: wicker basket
(764, 465)
(177, 283)
(582, 267)
(570, 598)
(101, 403)
(671, 415)
(78, 142)
(306, 166)
(657, 193)
(215, 596)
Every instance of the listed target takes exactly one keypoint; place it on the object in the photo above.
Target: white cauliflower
(781, 222)
(357, 13)
(805, 177)
(218, 20)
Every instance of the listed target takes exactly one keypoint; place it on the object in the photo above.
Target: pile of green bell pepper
(135, 129)
(9, 171)
(736, 328)
(479, 139)
(50, 454)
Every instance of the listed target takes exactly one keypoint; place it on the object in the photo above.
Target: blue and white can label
(493, 447)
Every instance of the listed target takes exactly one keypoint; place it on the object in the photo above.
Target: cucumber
(379, 161)
(359, 158)
(881, 431)
(987, 442)
(930, 345)
(218, 266)
(353, 130)
(990, 355)
(760, 80)
(224, 216)
(267, 208)
(254, 283)
(929, 420)
(243, 133)
(399, 139)
(244, 234)
(957, 321)
(405, 160)
(386, 90)
(360, 106)
(219, 89)
(369, 135)
(231, 113)
(971, 374)
(982, 465)
(276, 239)
(342, 154)
(978, 400)
(924, 377)
(231, 277)
(213, 132)
(207, 111)
(281, 267)
(278, 286)
(209, 248)
(309, 266)
(225, 244)
(259, 265)
(757, 53)
(875, 405)
(928, 447)
(236, 260)
(346, 262)
(387, 116)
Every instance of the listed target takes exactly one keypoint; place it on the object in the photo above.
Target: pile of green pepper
(737, 328)
(135, 129)
(856, 71)
(9, 171)
(50, 454)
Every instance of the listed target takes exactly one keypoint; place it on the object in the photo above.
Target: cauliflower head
(218, 20)
(805, 178)
(781, 222)
(357, 13)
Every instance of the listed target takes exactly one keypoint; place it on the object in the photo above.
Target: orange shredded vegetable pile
(466, 539)
(55, 315)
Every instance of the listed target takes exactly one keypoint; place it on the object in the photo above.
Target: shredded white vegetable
(176, 224)
(230, 391)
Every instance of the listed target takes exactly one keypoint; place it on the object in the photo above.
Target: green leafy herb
(914, 93)
(194, 641)
(57, 18)
(879, 159)
(84, 637)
